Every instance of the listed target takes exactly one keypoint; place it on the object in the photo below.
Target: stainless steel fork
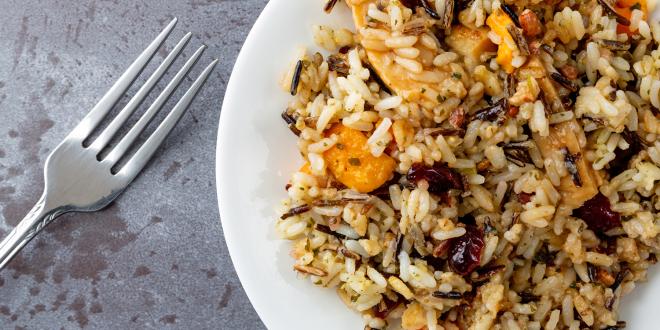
(76, 178)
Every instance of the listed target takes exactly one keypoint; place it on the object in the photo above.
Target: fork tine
(101, 109)
(127, 141)
(137, 99)
(147, 150)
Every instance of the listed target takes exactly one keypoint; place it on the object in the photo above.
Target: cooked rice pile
(478, 164)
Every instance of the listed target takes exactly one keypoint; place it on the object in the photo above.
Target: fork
(77, 178)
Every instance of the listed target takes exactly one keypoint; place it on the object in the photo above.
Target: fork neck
(41, 215)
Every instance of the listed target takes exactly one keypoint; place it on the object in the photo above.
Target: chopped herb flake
(457, 75)
(340, 146)
(636, 6)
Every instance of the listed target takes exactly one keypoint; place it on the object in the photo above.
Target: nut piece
(310, 270)
(457, 118)
(530, 23)
(569, 71)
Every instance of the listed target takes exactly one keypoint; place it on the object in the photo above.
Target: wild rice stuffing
(478, 164)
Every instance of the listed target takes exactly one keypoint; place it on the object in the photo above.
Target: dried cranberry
(439, 177)
(622, 157)
(465, 253)
(524, 198)
(598, 214)
(513, 111)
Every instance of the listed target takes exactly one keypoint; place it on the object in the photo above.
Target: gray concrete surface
(156, 258)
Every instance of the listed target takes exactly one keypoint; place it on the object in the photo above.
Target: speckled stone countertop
(156, 258)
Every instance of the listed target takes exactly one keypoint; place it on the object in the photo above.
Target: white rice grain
(552, 321)
(377, 277)
(404, 266)
(538, 122)
(407, 52)
(388, 103)
(442, 235)
(445, 58)
(409, 64)
(483, 197)
(401, 42)
(378, 15)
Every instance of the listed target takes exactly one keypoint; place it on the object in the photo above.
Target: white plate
(255, 156)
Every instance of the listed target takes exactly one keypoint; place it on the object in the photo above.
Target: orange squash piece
(625, 8)
(498, 22)
(352, 164)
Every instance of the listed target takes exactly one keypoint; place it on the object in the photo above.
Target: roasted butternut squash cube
(498, 22)
(352, 164)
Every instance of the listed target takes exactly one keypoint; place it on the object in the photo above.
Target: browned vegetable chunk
(470, 42)
(409, 85)
(563, 135)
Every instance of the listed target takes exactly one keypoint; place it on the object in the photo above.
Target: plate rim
(232, 247)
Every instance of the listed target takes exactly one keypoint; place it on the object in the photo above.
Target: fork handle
(34, 221)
